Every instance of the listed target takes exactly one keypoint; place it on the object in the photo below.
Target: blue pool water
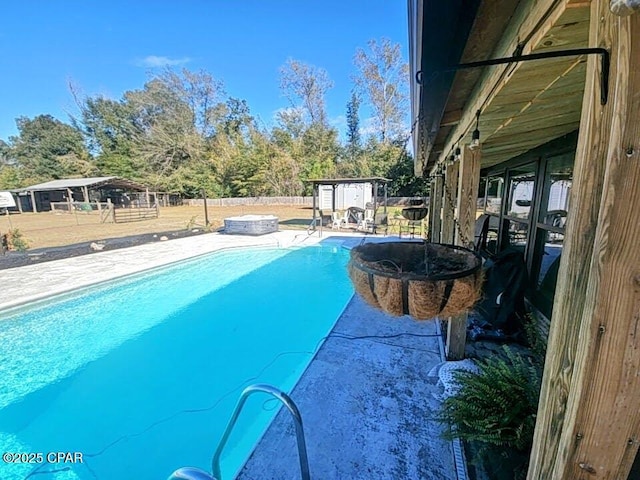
(141, 375)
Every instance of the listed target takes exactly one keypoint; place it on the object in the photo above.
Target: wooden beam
(449, 203)
(451, 118)
(468, 186)
(435, 213)
(588, 423)
(523, 25)
(531, 25)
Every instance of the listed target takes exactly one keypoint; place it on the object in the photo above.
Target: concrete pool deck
(367, 402)
(367, 399)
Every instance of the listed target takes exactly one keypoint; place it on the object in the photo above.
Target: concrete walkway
(367, 404)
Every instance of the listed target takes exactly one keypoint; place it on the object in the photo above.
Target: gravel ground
(39, 255)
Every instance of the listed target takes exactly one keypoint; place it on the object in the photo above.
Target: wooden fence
(102, 209)
(302, 201)
(135, 214)
(108, 212)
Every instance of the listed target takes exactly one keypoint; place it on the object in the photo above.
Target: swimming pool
(141, 375)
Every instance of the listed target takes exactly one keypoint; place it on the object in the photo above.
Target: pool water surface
(141, 375)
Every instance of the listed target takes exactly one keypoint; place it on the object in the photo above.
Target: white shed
(347, 195)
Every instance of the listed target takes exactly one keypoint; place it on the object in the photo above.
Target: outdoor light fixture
(458, 152)
(475, 136)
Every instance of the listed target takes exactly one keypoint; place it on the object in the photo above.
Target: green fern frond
(497, 405)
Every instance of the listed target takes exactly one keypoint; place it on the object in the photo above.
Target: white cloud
(339, 122)
(369, 126)
(154, 61)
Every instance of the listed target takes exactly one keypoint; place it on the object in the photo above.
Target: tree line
(181, 133)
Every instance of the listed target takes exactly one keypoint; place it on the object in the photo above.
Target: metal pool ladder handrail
(190, 473)
(295, 413)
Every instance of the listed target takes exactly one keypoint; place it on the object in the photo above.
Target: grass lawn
(50, 229)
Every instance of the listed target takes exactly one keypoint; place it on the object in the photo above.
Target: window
(521, 188)
(494, 191)
(550, 229)
(521, 191)
(547, 276)
(493, 198)
(527, 200)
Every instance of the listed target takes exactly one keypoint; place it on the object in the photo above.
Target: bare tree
(177, 115)
(306, 84)
(383, 79)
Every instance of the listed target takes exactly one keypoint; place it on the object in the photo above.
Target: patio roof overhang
(587, 420)
(522, 105)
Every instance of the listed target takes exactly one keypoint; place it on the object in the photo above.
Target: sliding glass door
(527, 201)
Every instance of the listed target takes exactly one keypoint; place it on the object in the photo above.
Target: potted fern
(495, 410)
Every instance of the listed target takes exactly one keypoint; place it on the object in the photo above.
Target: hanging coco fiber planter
(420, 279)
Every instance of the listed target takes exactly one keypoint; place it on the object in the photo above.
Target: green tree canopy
(45, 149)
(180, 132)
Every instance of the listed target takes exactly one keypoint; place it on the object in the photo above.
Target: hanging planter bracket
(604, 64)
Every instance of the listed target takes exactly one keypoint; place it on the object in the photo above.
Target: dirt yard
(48, 229)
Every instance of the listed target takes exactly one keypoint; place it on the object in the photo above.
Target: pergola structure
(334, 182)
(523, 93)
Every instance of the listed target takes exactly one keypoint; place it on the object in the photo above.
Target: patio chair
(381, 223)
(481, 232)
(367, 221)
(339, 220)
(374, 223)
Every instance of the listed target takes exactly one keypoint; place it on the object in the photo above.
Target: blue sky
(108, 47)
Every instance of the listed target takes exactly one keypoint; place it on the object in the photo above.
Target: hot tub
(251, 224)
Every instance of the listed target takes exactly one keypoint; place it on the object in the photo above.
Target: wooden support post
(456, 326)
(386, 197)
(206, 211)
(33, 202)
(467, 193)
(450, 201)
(435, 212)
(333, 198)
(468, 186)
(111, 211)
(456, 337)
(432, 189)
(313, 205)
(588, 423)
(85, 194)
